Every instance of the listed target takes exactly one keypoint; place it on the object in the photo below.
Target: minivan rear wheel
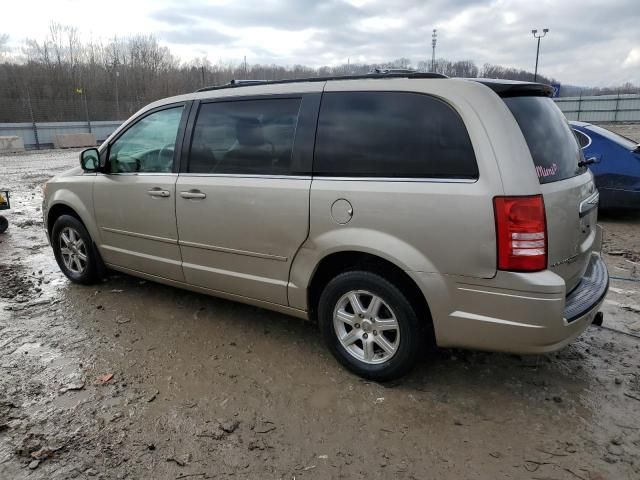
(369, 325)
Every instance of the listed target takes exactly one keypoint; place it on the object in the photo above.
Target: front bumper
(514, 312)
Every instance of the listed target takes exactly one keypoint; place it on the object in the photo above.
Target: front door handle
(193, 194)
(159, 193)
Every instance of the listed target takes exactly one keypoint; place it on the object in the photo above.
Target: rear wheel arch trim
(370, 262)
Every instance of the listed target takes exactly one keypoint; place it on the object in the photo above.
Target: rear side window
(553, 147)
(391, 134)
(244, 137)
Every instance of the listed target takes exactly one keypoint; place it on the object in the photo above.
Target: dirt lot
(629, 130)
(205, 388)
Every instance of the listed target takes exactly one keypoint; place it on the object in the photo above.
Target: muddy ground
(131, 379)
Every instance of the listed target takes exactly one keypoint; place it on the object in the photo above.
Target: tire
(336, 310)
(74, 250)
(4, 224)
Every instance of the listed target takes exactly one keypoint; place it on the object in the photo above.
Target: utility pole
(535, 35)
(434, 38)
(202, 71)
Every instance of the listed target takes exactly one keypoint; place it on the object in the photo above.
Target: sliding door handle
(193, 195)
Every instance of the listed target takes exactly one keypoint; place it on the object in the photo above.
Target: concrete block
(73, 140)
(11, 144)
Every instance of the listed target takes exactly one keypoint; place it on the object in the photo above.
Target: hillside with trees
(63, 78)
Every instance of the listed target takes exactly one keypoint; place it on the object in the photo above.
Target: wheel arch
(66, 202)
(348, 260)
(56, 210)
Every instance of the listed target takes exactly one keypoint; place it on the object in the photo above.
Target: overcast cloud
(590, 42)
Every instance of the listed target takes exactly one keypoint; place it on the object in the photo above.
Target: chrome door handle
(193, 195)
(159, 193)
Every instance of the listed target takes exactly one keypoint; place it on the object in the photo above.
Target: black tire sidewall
(4, 224)
(89, 275)
(410, 331)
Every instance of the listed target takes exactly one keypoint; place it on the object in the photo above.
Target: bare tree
(4, 47)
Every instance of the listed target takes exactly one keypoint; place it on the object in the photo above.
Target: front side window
(244, 137)
(148, 145)
(391, 134)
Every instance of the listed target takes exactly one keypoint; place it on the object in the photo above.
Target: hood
(72, 172)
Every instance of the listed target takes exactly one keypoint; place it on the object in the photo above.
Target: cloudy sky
(590, 42)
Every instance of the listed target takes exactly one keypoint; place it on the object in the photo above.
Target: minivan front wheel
(369, 325)
(73, 249)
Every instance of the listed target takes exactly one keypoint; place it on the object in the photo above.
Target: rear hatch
(568, 189)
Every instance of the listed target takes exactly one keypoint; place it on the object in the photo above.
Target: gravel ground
(131, 379)
(629, 130)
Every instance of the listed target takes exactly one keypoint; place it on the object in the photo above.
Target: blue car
(615, 163)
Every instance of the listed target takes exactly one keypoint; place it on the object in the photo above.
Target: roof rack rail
(391, 74)
(392, 70)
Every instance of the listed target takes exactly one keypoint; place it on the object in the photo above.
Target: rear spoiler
(508, 88)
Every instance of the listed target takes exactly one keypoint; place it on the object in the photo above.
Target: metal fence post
(615, 113)
(579, 104)
(33, 121)
(86, 108)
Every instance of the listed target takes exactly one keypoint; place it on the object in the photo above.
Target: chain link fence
(37, 119)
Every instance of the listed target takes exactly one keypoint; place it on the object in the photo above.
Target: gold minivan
(398, 211)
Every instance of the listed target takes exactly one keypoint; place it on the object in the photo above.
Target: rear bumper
(589, 292)
(514, 312)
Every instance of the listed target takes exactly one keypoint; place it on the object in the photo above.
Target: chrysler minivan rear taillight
(521, 233)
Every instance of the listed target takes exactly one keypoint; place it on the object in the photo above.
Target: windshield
(553, 146)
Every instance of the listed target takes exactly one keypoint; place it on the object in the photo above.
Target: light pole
(535, 35)
(434, 37)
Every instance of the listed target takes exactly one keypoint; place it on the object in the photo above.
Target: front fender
(80, 200)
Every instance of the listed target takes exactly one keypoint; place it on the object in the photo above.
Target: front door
(242, 204)
(134, 200)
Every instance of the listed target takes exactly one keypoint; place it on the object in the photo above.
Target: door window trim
(177, 154)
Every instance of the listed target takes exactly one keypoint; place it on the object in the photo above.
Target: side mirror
(90, 160)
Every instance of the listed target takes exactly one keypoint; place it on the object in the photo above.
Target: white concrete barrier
(11, 144)
(73, 140)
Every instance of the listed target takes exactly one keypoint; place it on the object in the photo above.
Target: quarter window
(391, 134)
(583, 140)
(148, 145)
(244, 137)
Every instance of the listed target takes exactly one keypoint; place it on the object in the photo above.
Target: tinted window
(553, 147)
(148, 145)
(583, 140)
(244, 137)
(389, 134)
